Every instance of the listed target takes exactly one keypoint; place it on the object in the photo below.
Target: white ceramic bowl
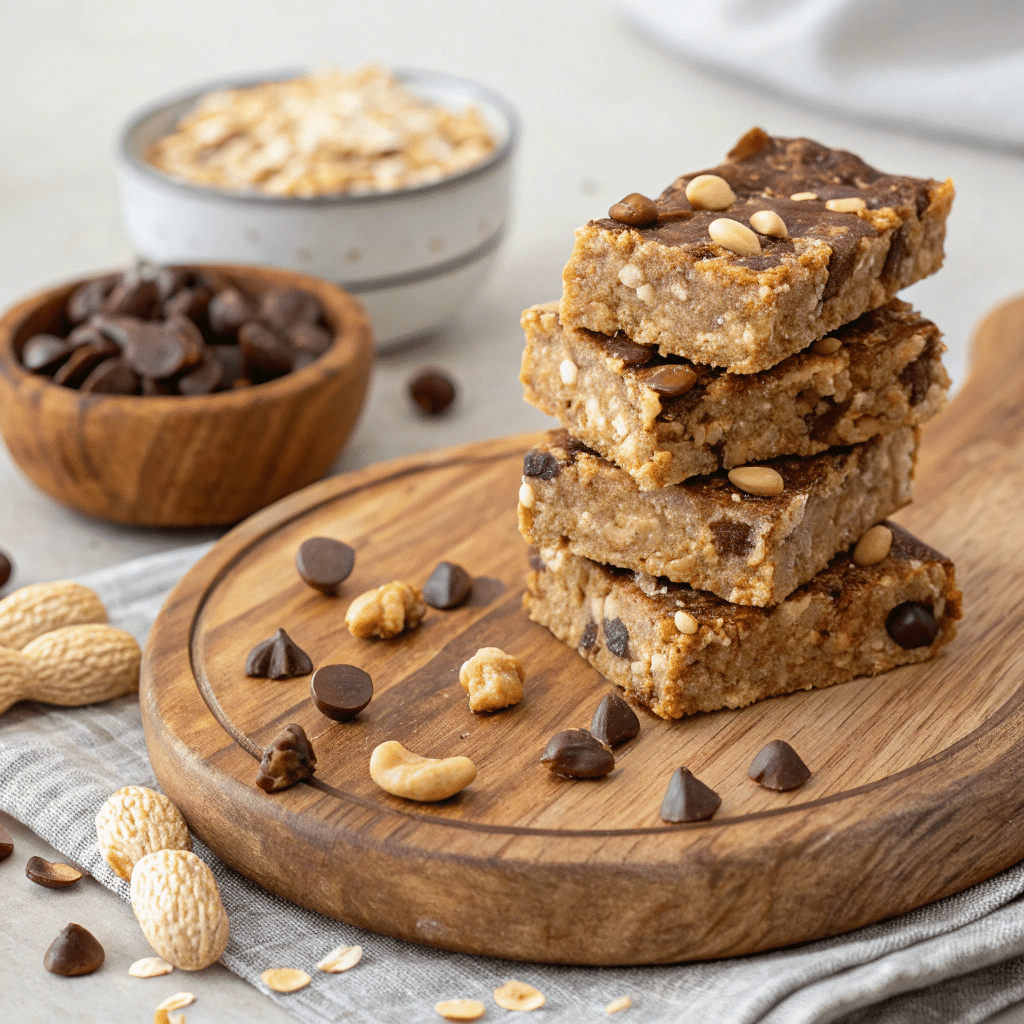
(413, 256)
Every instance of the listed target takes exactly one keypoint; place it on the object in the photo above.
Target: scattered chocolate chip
(631, 354)
(132, 296)
(6, 568)
(83, 360)
(74, 952)
(88, 298)
(535, 561)
(6, 843)
(541, 464)
(340, 691)
(448, 586)
(287, 760)
(432, 390)
(912, 625)
(228, 310)
(575, 754)
(589, 637)
(635, 210)
(778, 766)
(281, 308)
(324, 563)
(50, 875)
(43, 353)
(670, 381)
(264, 351)
(309, 338)
(688, 799)
(614, 721)
(202, 379)
(112, 377)
(161, 350)
(280, 657)
(616, 637)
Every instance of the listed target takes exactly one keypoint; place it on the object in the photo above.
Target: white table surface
(604, 113)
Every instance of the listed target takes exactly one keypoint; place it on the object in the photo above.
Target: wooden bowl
(184, 460)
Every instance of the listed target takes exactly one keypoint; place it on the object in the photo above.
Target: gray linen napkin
(958, 960)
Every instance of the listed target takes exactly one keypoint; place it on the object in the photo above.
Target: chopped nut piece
(517, 995)
(402, 773)
(386, 611)
(851, 204)
(493, 679)
(178, 1001)
(768, 222)
(761, 480)
(461, 1009)
(285, 979)
(734, 236)
(568, 371)
(344, 958)
(803, 196)
(686, 623)
(710, 192)
(150, 967)
(288, 759)
(527, 497)
(873, 547)
(616, 1005)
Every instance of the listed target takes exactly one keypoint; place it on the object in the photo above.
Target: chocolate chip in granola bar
(688, 799)
(264, 351)
(288, 759)
(575, 754)
(325, 563)
(635, 210)
(535, 561)
(281, 308)
(614, 721)
(432, 390)
(732, 539)
(670, 381)
(448, 586)
(541, 464)
(112, 377)
(74, 952)
(228, 310)
(589, 637)
(50, 875)
(778, 766)
(620, 347)
(280, 657)
(340, 691)
(912, 625)
(43, 353)
(616, 637)
(6, 843)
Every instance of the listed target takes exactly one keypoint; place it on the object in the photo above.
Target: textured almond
(36, 609)
(178, 905)
(135, 821)
(15, 677)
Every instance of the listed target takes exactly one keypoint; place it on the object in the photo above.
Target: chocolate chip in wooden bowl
(619, 346)
(43, 353)
(266, 354)
(132, 296)
(282, 308)
(448, 586)
(83, 360)
(6, 843)
(287, 760)
(279, 657)
(432, 390)
(325, 563)
(616, 637)
(75, 951)
(51, 875)
(112, 377)
(88, 298)
(202, 379)
(340, 691)
(614, 721)
(171, 280)
(670, 381)
(912, 625)
(688, 799)
(191, 303)
(228, 310)
(576, 754)
(542, 465)
(161, 350)
(309, 338)
(635, 210)
(232, 363)
(778, 766)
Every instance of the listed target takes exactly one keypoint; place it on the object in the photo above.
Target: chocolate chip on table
(614, 721)
(589, 637)
(619, 346)
(74, 952)
(635, 210)
(6, 568)
(43, 353)
(88, 298)
(912, 625)
(309, 338)
(279, 657)
(50, 875)
(281, 308)
(778, 766)
(448, 586)
(432, 390)
(616, 637)
(670, 381)
(112, 377)
(575, 754)
(202, 379)
(688, 799)
(228, 310)
(288, 759)
(325, 563)
(6, 843)
(264, 351)
(340, 691)
(541, 464)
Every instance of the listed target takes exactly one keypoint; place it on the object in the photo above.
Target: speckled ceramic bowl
(413, 256)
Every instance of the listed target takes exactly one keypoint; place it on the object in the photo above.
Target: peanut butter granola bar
(747, 548)
(664, 420)
(831, 238)
(678, 651)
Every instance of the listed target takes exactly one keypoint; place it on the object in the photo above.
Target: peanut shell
(36, 609)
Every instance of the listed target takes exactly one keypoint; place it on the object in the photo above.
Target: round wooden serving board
(916, 791)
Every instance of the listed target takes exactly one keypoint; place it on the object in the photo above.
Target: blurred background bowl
(414, 256)
(184, 460)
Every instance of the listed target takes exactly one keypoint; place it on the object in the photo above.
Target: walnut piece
(386, 611)
(493, 679)
(288, 759)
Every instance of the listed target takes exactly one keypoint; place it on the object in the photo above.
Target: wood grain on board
(915, 792)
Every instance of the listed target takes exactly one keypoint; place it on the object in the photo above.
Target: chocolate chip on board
(279, 657)
(912, 625)
(688, 799)
(340, 691)
(616, 637)
(287, 760)
(448, 586)
(614, 721)
(51, 875)
(541, 464)
(778, 766)
(325, 563)
(432, 390)
(43, 353)
(575, 754)
(6, 843)
(74, 952)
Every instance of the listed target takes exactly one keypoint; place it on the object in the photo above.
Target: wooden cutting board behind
(916, 791)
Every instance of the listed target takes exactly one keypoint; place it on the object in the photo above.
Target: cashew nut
(400, 772)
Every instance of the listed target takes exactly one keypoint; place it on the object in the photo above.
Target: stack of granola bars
(741, 396)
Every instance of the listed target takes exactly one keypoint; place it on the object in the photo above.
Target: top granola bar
(854, 237)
